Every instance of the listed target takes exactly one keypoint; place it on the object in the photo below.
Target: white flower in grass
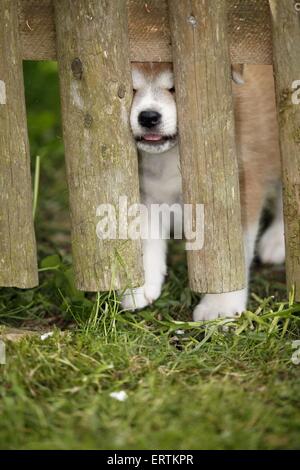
(180, 332)
(120, 396)
(46, 335)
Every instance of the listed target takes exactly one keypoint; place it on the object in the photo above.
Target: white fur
(154, 260)
(160, 182)
(228, 304)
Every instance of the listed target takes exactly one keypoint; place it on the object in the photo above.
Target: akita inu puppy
(154, 126)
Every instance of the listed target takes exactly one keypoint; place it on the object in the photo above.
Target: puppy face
(153, 115)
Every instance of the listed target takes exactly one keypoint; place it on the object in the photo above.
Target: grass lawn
(226, 385)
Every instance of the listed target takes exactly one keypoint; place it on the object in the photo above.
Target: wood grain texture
(207, 143)
(286, 38)
(150, 41)
(18, 264)
(101, 158)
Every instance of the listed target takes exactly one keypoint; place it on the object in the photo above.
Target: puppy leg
(154, 261)
(229, 304)
(271, 247)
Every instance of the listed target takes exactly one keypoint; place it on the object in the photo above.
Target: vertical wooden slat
(286, 44)
(96, 94)
(18, 263)
(207, 143)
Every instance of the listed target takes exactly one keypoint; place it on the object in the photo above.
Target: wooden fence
(94, 42)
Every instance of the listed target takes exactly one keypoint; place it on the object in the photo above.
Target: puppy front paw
(140, 297)
(229, 304)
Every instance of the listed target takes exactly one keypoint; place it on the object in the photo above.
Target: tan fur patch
(257, 138)
(152, 69)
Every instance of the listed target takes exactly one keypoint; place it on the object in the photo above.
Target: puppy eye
(134, 91)
(172, 90)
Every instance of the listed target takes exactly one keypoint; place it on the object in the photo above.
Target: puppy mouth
(155, 139)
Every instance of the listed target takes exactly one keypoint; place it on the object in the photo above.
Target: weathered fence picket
(286, 42)
(18, 263)
(96, 94)
(207, 143)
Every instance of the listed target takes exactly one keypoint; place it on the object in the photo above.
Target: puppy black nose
(149, 119)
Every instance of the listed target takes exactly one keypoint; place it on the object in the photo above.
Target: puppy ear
(237, 73)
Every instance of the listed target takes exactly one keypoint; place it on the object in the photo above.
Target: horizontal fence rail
(249, 30)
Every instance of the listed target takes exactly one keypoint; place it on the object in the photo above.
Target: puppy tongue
(152, 137)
